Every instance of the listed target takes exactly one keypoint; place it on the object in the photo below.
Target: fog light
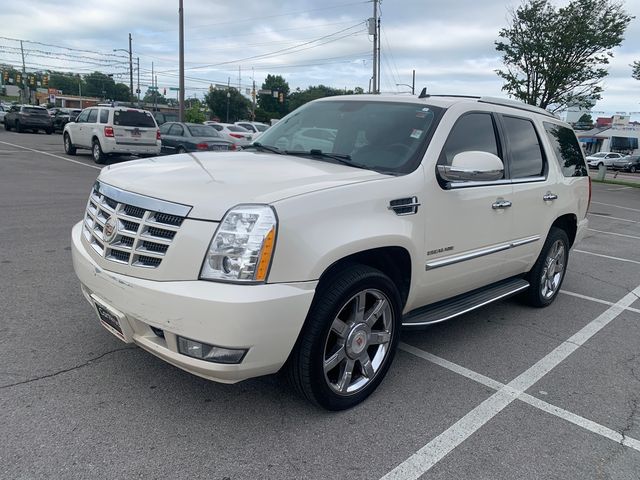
(210, 353)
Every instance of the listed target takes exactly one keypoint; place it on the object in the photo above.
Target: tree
(68, 83)
(300, 97)
(219, 103)
(585, 118)
(636, 70)
(193, 114)
(555, 57)
(98, 84)
(270, 106)
(149, 97)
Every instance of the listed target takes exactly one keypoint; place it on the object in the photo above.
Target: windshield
(202, 131)
(384, 136)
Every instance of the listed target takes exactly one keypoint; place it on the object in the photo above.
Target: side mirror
(473, 166)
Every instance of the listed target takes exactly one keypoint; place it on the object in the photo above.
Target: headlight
(242, 246)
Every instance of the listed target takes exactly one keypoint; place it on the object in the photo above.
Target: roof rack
(505, 102)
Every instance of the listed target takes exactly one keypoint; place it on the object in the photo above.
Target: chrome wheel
(553, 270)
(358, 342)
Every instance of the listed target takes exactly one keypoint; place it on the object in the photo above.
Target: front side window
(566, 149)
(472, 132)
(93, 116)
(389, 137)
(526, 159)
(82, 118)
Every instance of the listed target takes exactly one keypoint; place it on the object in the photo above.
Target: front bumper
(265, 319)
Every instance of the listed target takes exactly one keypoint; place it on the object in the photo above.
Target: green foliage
(193, 114)
(68, 83)
(636, 70)
(97, 84)
(270, 105)
(555, 57)
(218, 102)
(300, 97)
(159, 98)
(585, 118)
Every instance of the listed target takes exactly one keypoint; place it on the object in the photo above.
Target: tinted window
(133, 118)
(83, 116)
(93, 116)
(39, 112)
(176, 129)
(235, 128)
(104, 116)
(218, 127)
(164, 129)
(261, 128)
(472, 132)
(566, 149)
(203, 131)
(524, 146)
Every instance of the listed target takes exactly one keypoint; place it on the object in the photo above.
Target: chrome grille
(143, 235)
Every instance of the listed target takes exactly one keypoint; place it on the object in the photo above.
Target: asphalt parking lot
(506, 392)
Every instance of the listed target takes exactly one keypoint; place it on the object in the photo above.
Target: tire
(336, 340)
(7, 127)
(96, 151)
(49, 131)
(600, 165)
(181, 150)
(544, 288)
(18, 127)
(632, 169)
(69, 148)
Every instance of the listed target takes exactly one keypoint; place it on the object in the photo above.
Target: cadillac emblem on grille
(110, 229)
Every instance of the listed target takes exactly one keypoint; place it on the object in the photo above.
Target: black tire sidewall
(330, 298)
(534, 293)
(101, 155)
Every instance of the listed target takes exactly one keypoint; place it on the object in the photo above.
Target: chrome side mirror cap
(473, 166)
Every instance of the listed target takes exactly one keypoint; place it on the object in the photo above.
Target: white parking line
(616, 234)
(616, 206)
(608, 256)
(597, 300)
(618, 189)
(434, 451)
(612, 218)
(533, 401)
(51, 155)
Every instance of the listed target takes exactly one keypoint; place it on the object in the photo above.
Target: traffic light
(18, 78)
(5, 76)
(32, 80)
(281, 97)
(45, 81)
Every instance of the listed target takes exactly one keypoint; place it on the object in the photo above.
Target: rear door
(134, 127)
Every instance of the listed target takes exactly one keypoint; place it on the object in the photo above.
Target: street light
(412, 86)
(130, 67)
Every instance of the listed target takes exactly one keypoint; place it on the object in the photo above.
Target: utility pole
(24, 76)
(253, 97)
(138, 88)
(413, 83)
(130, 72)
(379, 59)
(228, 97)
(181, 66)
(373, 30)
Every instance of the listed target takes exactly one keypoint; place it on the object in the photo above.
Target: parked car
(424, 208)
(164, 117)
(192, 137)
(107, 130)
(254, 127)
(630, 163)
(602, 158)
(3, 112)
(238, 135)
(64, 116)
(28, 117)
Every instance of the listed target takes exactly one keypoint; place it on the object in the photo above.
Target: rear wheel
(181, 149)
(49, 131)
(349, 339)
(546, 276)
(7, 127)
(632, 169)
(98, 155)
(69, 148)
(18, 127)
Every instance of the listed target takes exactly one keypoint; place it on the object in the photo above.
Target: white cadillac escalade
(350, 218)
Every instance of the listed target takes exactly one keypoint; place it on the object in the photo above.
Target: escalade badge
(110, 229)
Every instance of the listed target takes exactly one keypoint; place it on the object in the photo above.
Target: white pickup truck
(311, 252)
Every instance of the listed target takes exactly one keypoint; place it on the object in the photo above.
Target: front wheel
(98, 155)
(69, 148)
(349, 339)
(547, 274)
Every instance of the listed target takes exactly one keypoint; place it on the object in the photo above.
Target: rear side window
(93, 116)
(525, 149)
(104, 116)
(133, 118)
(177, 130)
(566, 149)
(472, 132)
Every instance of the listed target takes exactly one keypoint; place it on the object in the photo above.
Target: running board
(461, 304)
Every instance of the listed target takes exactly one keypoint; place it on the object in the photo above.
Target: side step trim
(461, 304)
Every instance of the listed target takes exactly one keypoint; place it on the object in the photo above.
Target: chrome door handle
(498, 204)
(548, 197)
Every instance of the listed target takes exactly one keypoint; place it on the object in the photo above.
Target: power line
(65, 48)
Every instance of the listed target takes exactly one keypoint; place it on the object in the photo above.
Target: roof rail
(505, 102)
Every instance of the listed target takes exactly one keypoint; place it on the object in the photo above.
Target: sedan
(238, 135)
(192, 137)
(64, 116)
(630, 163)
(602, 158)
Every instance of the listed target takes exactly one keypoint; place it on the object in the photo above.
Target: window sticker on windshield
(421, 114)
(416, 133)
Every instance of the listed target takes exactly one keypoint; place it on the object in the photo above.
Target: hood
(214, 182)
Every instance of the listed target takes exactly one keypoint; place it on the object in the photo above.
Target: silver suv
(107, 130)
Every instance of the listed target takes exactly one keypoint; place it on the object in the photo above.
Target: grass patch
(618, 182)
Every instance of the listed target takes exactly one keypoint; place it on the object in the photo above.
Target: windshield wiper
(342, 158)
(260, 146)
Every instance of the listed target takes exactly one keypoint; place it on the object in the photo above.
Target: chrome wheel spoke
(345, 376)
(376, 312)
(334, 360)
(361, 302)
(367, 366)
(339, 327)
(379, 337)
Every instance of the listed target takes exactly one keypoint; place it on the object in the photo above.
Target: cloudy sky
(449, 44)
